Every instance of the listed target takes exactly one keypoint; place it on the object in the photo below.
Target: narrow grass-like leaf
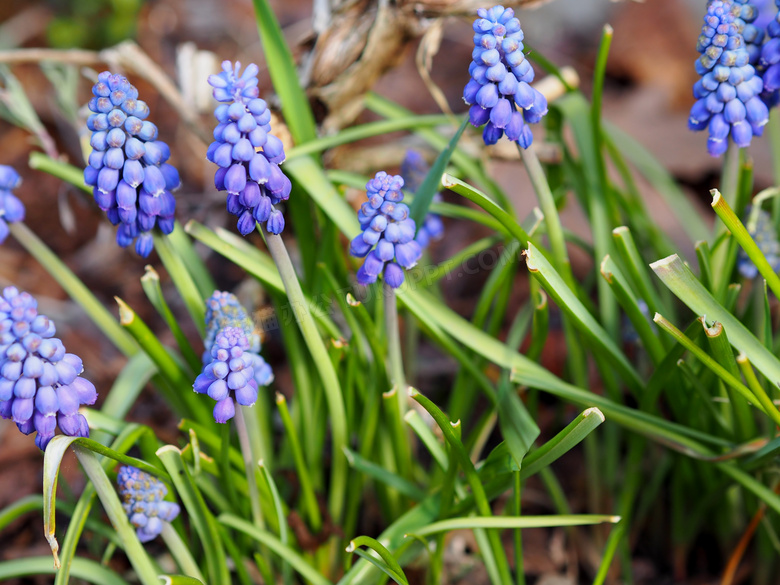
(693, 225)
(479, 198)
(297, 562)
(179, 394)
(362, 131)
(185, 284)
(384, 476)
(281, 518)
(179, 580)
(591, 329)
(20, 508)
(141, 562)
(184, 248)
(386, 563)
(637, 268)
(308, 496)
(327, 373)
(181, 553)
(472, 522)
(284, 75)
(681, 281)
(746, 242)
(199, 515)
(430, 185)
(76, 289)
(480, 498)
(619, 285)
(563, 442)
(90, 571)
(150, 282)
(136, 373)
(425, 434)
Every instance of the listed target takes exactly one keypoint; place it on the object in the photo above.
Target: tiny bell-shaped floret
(143, 501)
(11, 209)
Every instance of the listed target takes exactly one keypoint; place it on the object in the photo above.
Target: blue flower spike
(11, 209)
(387, 241)
(40, 384)
(413, 171)
(143, 501)
(728, 93)
(247, 154)
(499, 92)
(128, 169)
(233, 369)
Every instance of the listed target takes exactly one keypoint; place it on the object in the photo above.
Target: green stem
(133, 548)
(308, 497)
(720, 255)
(181, 552)
(330, 381)
(76, 289)
(519, 570)
(396, 398)
(250, 466)
(551, 218)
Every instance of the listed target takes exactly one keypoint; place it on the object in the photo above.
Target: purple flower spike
(233, 368)
(230, 373)
(128, 169)
(40, 384)
(727, 92)
(500, 78)
(245, 147)
(142, 499)
(388, 232)
(11, 209)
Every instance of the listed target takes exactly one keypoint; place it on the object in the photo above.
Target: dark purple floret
(728, 94)
(247, 154)
(143, 501)
(128, 170)
(769, 61)
(387, 241)
(499, 92)
(11, 209)
(40, 386)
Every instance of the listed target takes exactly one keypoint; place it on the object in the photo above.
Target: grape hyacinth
(11, 209)
(413, 171)
(247, 155)
(387, 241)
(40, 385)
(769, 61)
(728, 102)
(142, 499)
(230, 375)
(131, 180)
(762, 230)
(500, 78)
